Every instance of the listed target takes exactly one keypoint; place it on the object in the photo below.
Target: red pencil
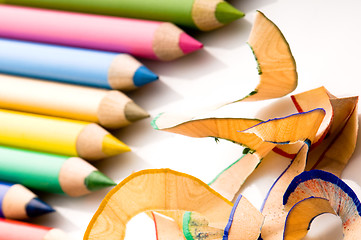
(15, 230)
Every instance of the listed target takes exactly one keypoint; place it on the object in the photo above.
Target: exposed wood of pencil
(121, 72)
(72, 175)
(166, 228)
(302, 214)
(95, 142)
(273, 210)
(17, 197)
(247, 221)
(126, 73)
(193, 224)
(336, 149)
(117, 110)
(316, 98)
(255, 134)
(314, 192)
(155, 189)
(226, 128)
(277, 67)
(290, 129)
(166, 42)
(230, 180)
(203, 14)
(176, 215)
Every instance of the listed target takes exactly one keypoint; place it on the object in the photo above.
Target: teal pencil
(51, 173)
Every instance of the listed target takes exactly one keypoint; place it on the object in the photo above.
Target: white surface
(325, 39)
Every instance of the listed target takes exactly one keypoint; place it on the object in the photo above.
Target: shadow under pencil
(195, 65)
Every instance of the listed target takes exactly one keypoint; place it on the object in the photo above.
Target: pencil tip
(143, 76)
(188, 44)
(226, 13)
(37, 207)
(98, 180)
(133, 112)
(113, 146)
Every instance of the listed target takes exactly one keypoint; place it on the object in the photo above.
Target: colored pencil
(18, 202)
(57, 135)
(109, 108)
(202, 14)
(73, 65)
(15, 230)
(141, 38)
(52, 173)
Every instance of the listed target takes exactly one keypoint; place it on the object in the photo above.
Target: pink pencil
(142, 38)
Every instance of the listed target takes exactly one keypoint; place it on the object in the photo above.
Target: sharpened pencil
(109, 108)
(58, 135)
(16, 230)
(73, 65)
(202, 14)
(18, 202)
(141, 38)
(52, 173)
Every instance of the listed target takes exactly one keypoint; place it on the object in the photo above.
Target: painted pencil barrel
(15, 230)
(73, 65)
(201, 14)
(57, 135)
(109, 108)
(51, 173)
(141, 38)
(18, 202)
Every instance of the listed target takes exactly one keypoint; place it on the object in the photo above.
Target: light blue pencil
(73, 65)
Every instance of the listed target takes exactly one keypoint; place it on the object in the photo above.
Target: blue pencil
(18, 202)
(73, 65)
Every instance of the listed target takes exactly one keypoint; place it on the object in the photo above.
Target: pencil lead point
(226, 13)
(143, 76)
(98, 180)
(37, 207)
(113, 146)
(133, 112)
(188, 44)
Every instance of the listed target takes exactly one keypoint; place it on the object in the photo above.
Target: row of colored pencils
(63, 67)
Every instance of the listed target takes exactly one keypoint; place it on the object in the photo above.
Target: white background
(325, 39)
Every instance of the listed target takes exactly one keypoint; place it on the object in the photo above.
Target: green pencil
(52, 173)
(202, 14)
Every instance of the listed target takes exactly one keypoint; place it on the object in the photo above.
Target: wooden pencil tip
(226, 13)
(133, 112)
(37, 207)
(113, 146)
(188, 44)
(97, 180)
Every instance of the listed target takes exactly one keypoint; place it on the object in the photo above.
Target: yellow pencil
(109, 108)
(58, 135)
